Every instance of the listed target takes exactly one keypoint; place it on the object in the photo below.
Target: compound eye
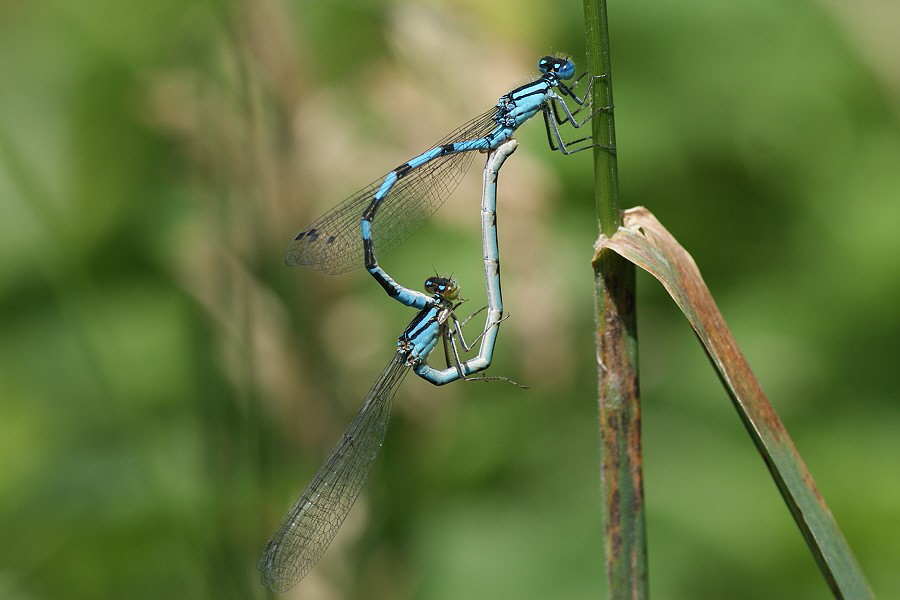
(546, 64)
(565, 69)
(452, 290)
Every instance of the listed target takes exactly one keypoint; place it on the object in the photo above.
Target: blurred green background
(167, 385)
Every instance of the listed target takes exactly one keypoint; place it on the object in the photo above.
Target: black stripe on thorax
(546, 80)
(416, 326)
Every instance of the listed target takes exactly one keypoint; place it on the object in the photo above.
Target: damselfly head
(559, 66)
(444, 287)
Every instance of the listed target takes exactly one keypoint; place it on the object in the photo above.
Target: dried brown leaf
(646, 243)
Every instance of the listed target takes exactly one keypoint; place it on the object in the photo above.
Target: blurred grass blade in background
(645, 242)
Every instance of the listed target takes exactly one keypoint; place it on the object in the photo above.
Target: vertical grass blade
(621, 478)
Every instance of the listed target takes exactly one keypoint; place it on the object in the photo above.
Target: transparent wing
(335, 245)
(316, 516)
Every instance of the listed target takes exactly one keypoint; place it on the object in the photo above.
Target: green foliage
(167, 385)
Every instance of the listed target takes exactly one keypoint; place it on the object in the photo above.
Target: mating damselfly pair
(347, 237)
